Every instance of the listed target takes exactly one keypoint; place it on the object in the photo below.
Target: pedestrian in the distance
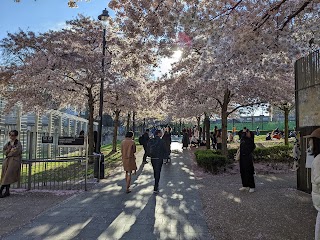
(185, 139)
(246, 161)
(314, 143)
(214, 140)
(12, 163)
(167, 140)
(157, 150)
(145, 139)
(219, 139)
(128, 149)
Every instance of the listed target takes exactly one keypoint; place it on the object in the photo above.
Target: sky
(42, 15)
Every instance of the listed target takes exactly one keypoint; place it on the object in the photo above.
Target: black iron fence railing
(63, 173)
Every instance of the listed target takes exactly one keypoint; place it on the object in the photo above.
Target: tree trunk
(224, 119)
(90, 123)
(204, 128)
(207, 123)
(115, 131)
(128, 122)
(134, 122)
(286, 125)
(144, 125)
(198, 125)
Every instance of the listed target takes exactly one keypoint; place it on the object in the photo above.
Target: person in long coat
(12, 163)
(247, 147)
(167, 140)
(185, 139)
(128, 149)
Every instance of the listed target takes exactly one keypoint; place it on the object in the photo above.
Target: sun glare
(177, 55)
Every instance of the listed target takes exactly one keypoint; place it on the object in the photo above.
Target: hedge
(280, 153)
(212, 160)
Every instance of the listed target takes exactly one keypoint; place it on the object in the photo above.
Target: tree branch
(294, 14)
(243, 106)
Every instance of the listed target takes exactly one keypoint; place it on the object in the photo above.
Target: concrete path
(108, 213)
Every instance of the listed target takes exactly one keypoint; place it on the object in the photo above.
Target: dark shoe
(6, 194)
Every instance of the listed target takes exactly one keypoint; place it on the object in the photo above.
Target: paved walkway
(108, 213)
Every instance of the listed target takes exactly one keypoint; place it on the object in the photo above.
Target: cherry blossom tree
(60, 68)
(242, 49)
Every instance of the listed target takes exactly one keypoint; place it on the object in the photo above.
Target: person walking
(246, 161)
(185, 139)
(157, 150)
(12, 163)
(219, 139)
(314, 143)
(144, 141)
(128, 149)
(214, 140)
(167, 140)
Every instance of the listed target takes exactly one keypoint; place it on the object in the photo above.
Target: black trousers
(247, 180)
(145, 153)
(157, 165)
(247, 171)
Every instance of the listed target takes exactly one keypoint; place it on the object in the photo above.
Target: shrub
(280, 153)
(210, 160)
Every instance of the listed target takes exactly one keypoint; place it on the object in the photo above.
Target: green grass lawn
(261, 142)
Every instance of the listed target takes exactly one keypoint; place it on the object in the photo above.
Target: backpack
(152, 147)
(141, 140)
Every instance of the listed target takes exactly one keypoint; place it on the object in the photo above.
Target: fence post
(29, 175)
(87, 159)
(99, 168)
(30, 149)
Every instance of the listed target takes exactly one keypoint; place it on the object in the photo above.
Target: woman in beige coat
(128, 149)
(12, 163)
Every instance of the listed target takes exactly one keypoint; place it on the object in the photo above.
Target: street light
(102, 17)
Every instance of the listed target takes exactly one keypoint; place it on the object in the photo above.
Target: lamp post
(102, 17)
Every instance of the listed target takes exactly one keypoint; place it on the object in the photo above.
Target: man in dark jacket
(157, 150)
(145, 140)
(167, 140)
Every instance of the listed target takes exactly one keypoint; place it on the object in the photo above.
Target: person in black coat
(157, 153)
(145, 140)
(167, 140)
(185, 139)
(246, 161)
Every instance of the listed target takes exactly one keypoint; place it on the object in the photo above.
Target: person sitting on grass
(268, 137)
(128, 149)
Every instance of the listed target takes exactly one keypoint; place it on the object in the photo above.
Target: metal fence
(47, 166)
(72, 173)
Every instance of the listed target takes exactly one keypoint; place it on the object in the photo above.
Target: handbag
(237, 156)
